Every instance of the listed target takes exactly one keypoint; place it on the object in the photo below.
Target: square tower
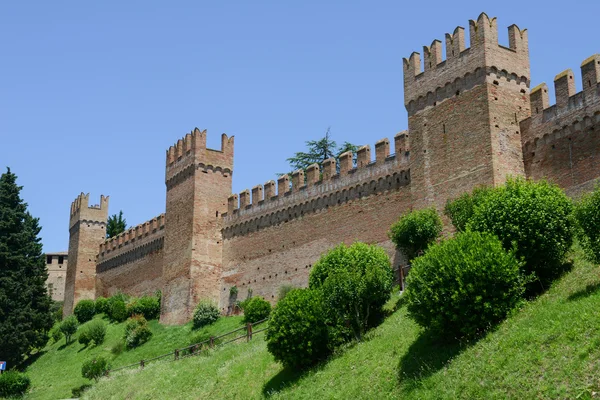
(198, 183)
(464, 112)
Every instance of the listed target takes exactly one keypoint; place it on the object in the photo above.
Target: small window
(48, 259)
(61, 259)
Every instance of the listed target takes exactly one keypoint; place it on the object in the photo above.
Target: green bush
(117, 311)
(415, 231)
(137, 331)
(297, 334)
(356, 282)
(95, 368)
(85, 310)
(536, 217)
(460, 210)
(96, 331)
(57, 310)
(148, 306)
(283, 291)
(84, 337)
(206, 313)
(463, 286)
(56, 334)
(13, 384)
(102, 305)
(68, 327)
(587, 213)
(256, 309)
(118, 347)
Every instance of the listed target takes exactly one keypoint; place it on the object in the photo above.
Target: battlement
(464, 66)
(132, 238)
(317, 181)
(191, 151)
(568, 102)
(81, 210)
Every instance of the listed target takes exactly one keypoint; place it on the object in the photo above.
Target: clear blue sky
(92, 93)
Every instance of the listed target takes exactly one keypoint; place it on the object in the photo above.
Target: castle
(472, 121)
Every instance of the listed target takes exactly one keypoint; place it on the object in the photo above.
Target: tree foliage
(115, 225)
(536, 218)
(25, 307)
(256, 309)
(94, 368)
(460, 210)
(13, 384)
(463, 286)
(85, 310)
(415, 231)
(297, 334)
(68, 327)
(137, 331)
(587, 213)
(356, 281)
(319, 151)
(206, 313)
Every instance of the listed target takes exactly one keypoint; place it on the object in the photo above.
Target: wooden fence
(197, 348)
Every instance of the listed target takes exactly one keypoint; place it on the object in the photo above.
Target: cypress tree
(25, 316)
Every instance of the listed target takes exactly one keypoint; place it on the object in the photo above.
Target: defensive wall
(273, 238)
(562, 142)
(472, 121)
(132, 262)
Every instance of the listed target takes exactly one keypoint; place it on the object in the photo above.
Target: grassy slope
(549, 349)
(57, 369)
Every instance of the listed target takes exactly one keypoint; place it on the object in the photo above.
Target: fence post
(249, 331)
(142, 364)
(212, 342)
(176, 354)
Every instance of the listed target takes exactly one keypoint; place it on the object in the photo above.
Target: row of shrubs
(511, 244)
(119, 307)
(347, 290)
(255, 309)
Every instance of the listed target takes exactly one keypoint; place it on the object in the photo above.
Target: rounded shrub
(13, 384)
(460, 210)
(256, 309)
(95, 368)
(137, 331)
(101, 305)
(205, 314)
(463, 286)
(587, 213)
(85, 310)
(96, 331)
(84, 337)
(56, 334)
(68, 327)
(297, 335)
(536, 218)
(117, 311)
(148, 306)
(415, 231)
(356, 282)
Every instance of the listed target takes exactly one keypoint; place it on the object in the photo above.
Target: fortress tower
(87, 230)
(464, 112)
(198, 183)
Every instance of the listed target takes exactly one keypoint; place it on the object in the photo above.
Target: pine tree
(115, 225)
(25, 316)
(320, 150)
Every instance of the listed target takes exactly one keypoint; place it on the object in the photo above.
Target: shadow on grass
(583, 293)
(30, 360)
(427, 355)
(285, 378)
(65, 345)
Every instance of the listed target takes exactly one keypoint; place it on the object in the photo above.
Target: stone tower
(87, 230)
(464, 112)
(198, 183)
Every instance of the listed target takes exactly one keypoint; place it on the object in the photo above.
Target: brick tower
(87, 230)
(464, 112)
(198, 183)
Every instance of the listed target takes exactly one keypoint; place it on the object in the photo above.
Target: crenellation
(518, 39)
(244, 199)
(297, 180)
(363, 156)
(564, 87)
(257, 195)
(283, 185)
(345, 163)
(313, 174)
(382, 150)
(232, 204)
(455, 44)
(329, 169)
(432, 55)
(590, 73)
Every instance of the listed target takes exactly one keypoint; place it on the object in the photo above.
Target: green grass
(548, 349)
(56, 370)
